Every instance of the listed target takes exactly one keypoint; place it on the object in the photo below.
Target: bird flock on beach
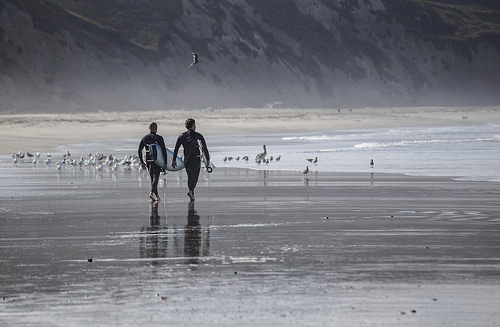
(101, 161)
(97, 161)
(263, 158)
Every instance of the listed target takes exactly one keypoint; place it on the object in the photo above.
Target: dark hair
(152, 126)
(189, 123)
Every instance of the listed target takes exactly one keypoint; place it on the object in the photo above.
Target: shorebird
(271, 158)
(245, 158)
(229, 158)
(315, 160)
(29, 154)
(225, 159)
(306, 171)
(372, 163)
(237, 158)
(261, 156)
(59, 165)
(278, 158)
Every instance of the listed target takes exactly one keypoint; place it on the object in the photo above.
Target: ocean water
(461, 152)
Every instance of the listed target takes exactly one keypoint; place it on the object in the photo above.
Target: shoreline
(44, 132)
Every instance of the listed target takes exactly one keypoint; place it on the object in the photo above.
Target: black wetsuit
(192, 162)
(154, 170)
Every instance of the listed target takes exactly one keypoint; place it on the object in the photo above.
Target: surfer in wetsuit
(154, 170)
(192, 161)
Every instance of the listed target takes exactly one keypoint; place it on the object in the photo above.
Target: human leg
(154, 173)
(193, 174)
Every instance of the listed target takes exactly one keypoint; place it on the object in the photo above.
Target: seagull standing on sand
(306, 171)
(372, 163)
(261, 156)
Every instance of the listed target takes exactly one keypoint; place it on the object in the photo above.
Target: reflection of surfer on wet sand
(153, 242)
(193, 236)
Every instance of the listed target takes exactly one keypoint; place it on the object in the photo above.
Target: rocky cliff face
(72, 55)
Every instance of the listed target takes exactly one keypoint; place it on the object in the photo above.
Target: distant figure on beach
(372, 163)
(192, 160)
(154, 170)
(195, 59)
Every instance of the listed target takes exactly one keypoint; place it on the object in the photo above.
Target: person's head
(153, 127)
(190, 124)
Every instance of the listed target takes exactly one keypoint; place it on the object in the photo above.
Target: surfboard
(159, 160)
(209, 166)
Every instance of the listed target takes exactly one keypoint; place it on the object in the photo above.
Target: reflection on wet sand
(154, 239)
(193, 237)
(188, 243)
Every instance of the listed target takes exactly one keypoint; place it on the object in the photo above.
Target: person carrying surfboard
(192, 161)
(154, 170)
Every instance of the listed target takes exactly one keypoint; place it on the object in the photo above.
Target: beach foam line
(251, 259)
(203, 258)
(223, 259)
(260, 225)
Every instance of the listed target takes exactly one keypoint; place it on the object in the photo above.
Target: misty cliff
(71, 55)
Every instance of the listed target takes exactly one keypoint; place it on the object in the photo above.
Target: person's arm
(205, 148)
(139, 151)
(176, 150)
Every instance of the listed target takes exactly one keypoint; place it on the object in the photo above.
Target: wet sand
(258, 248)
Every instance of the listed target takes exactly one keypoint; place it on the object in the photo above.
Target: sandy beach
(259, 248)
(44, 132)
